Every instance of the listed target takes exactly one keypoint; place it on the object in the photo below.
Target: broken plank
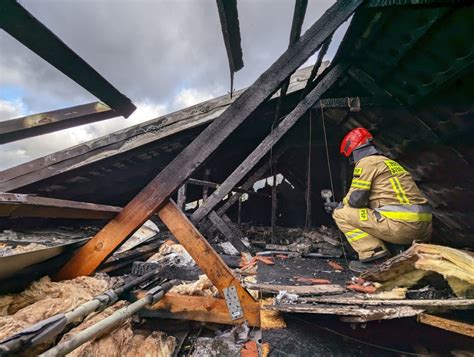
(48, 122)
(451, 303)
(227, 232)
(459, 327)
(181, 202)
(299, 290)
(155, 195)
(21, 205)
(350, 313)
(270, 140)
(196, 308)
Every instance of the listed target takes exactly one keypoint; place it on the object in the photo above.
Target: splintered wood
(420, 260)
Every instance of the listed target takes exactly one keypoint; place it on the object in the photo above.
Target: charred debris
(202, 232)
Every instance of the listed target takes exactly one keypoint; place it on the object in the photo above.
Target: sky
(165, 55)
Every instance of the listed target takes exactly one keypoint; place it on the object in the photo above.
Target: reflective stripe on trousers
(410, 213)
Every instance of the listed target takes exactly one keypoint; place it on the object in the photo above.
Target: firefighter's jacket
(385, 186)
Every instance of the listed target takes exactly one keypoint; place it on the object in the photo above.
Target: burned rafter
(24, 27)
(227, 232)
(229, 18)
(310, 84)
(48, 122)
(155, 195)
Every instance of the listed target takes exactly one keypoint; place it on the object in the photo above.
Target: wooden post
(239, 212)
(205, 189)
(182, 197)
(274, 206)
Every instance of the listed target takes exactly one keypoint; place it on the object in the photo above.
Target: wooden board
(300, 290)
(462, 328)
(42, 123)
(351, 313)
(19, 205)
(197, 308)
(447, 303)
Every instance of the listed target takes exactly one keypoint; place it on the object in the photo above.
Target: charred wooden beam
(24, 27)
(352, 103)
(48, 122)
(227, 232)
(264, 147)
(314, 71)
(156, 194)
(20, 205)
(182, 197)
(195, 308)
(229, 18)
(216, 185)
(415, 3)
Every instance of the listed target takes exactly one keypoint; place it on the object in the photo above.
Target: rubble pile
(322, 240)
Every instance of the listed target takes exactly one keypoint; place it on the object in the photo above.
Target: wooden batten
(196, 308)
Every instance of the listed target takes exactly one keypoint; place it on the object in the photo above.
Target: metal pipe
(116, 318)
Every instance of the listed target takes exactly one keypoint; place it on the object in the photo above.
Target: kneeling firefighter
(383, 203)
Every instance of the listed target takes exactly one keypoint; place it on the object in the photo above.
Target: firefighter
(383, 204)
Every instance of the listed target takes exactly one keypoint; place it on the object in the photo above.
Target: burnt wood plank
(48, 122)
(19, 205)
(156, 193)
(267, 143)
(227, 232)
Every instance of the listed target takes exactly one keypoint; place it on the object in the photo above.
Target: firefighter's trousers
(366, 231)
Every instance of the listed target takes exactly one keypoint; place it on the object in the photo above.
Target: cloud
(10, 110)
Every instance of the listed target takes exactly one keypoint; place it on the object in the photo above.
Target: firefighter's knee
(339, 215)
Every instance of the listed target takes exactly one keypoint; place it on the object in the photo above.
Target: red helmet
(354, 139)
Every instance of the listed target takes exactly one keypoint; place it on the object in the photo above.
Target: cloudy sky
(163, 54)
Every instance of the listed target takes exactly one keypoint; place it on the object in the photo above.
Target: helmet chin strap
(363, 151)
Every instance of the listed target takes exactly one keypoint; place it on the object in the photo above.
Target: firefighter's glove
(331, 206)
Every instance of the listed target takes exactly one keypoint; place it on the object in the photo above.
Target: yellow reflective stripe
(402, 191)
(355, 234)
(408, 216)
(365, 185)
(363, 214)
(397, 187)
